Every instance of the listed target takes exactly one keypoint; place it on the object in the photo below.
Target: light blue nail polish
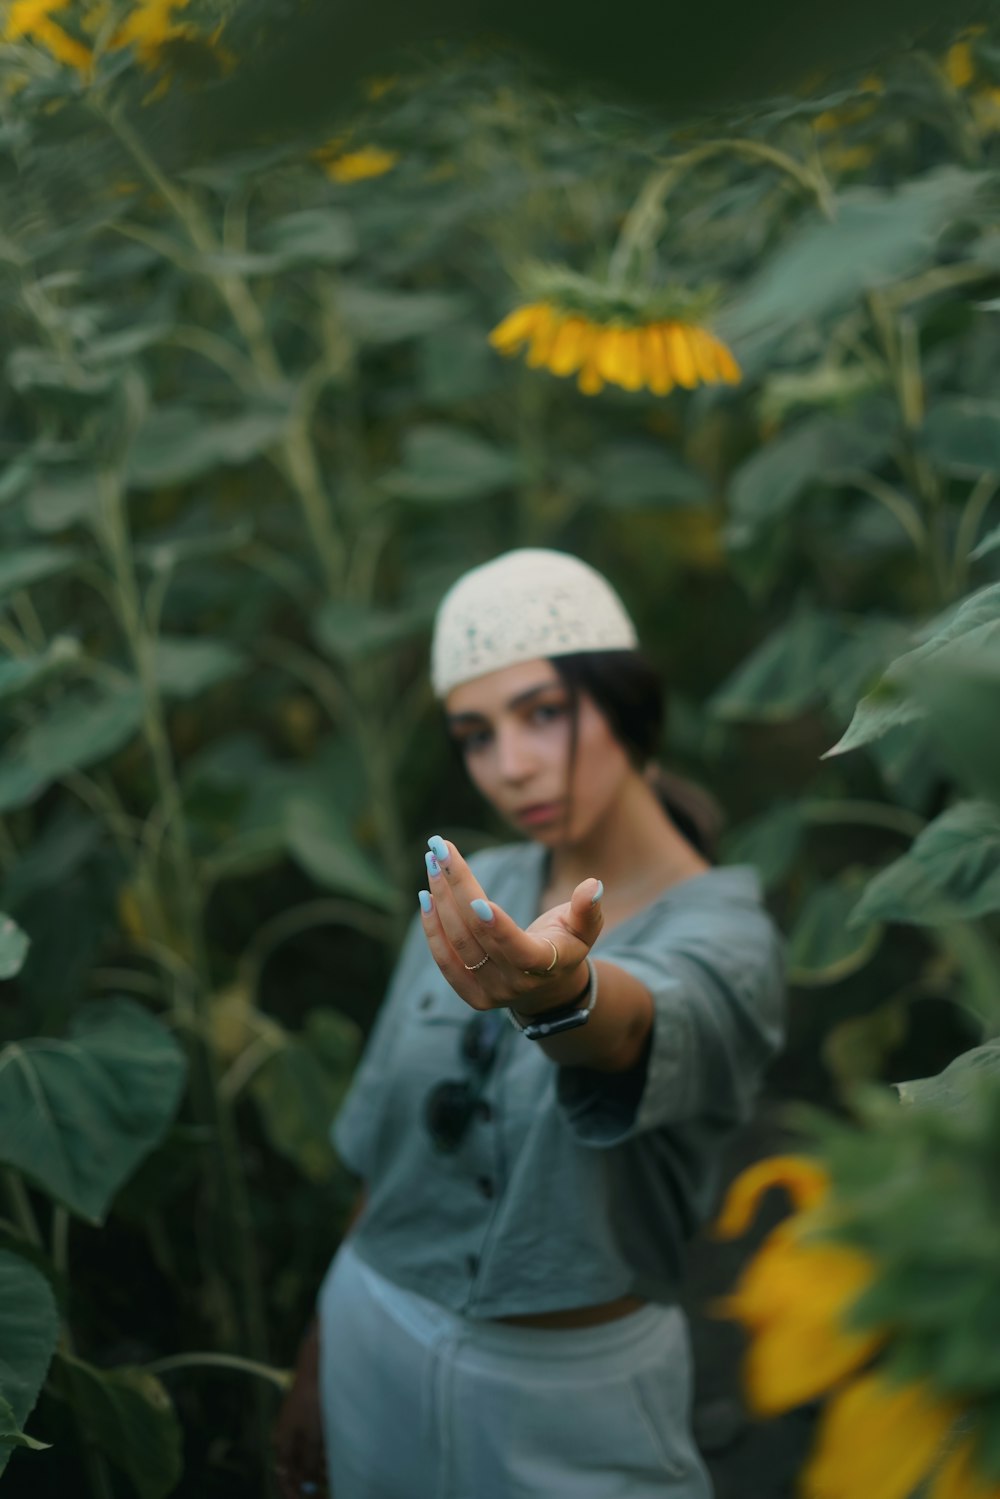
(438, 848)
(597, 893)
(433, 867)
(426, 904)
(482, 909)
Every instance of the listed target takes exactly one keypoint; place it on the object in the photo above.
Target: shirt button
(426, 1002)
(485, 1185)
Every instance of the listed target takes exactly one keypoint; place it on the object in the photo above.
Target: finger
(456, 920)
(524, 959)
(447, 959)
(586, 914)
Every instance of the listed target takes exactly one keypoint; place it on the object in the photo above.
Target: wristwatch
(563, 1017)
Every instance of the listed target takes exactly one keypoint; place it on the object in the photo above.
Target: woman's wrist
(536, 1006)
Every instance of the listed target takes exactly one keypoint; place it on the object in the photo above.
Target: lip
(539, 813)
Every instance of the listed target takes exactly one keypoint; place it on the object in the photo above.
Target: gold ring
(471, 967)
(540, 973)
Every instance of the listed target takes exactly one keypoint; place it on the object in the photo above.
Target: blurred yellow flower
(795, 1292)
(355, 166)
(959, 69)
(657, 355)
(877, 1441)
(33, 18)
(957, 1477)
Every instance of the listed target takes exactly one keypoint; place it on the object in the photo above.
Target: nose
(514, 758)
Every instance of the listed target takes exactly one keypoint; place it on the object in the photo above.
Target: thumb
(585, 907)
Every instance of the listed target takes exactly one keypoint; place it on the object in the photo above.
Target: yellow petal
(728, 367)
(703, 352)
(543, 337)
(590, 381)
(516, 328)
(957, 1477)
(63, 46)
(630, 359)
(682, 365)
(570, 346)
(876, 1441)
(655, 363)
(793, 1297)
(609, 355)
(805, 1181)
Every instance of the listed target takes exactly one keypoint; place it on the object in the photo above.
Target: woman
(502, 1322)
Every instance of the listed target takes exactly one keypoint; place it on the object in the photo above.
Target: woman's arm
(616, 1033)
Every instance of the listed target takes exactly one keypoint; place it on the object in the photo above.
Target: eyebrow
(456, 719)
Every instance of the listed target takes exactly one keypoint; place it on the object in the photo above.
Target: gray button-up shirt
(571, 1187)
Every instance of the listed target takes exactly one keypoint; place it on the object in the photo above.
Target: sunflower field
(277, 366)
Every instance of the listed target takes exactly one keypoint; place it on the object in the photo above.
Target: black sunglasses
(451, 1106)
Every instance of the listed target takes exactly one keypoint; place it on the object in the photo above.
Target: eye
(475, 739)
(546, 713)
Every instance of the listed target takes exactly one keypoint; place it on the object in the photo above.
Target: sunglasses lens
(447, 1113)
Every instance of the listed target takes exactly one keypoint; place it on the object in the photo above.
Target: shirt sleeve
(717, 978)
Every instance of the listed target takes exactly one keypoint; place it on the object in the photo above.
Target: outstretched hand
(486, 957)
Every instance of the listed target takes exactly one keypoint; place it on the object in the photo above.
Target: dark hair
(629, 693)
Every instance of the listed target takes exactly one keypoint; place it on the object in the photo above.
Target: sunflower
(354, 166)
(33, 18)
(658, 354)
(879, 1437)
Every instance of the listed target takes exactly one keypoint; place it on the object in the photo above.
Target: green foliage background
(251, 427)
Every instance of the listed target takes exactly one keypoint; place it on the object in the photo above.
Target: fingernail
(438, 848)
(482, 909)
(597, 893)
(433, 867)
(426, 904)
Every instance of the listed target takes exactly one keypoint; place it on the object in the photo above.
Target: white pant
(420, 1403)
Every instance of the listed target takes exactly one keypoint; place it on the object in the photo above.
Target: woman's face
(514, 728)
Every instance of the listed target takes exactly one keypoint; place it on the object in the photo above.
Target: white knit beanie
(525, 604)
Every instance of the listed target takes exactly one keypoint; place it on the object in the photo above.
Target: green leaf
(14, 946)
(77, 732)
(876, 237)
(188, 665)
(29, 1331)
(176, 444)
(770, 842)
(324, 236)
(447, 463)
(59, 499)
(78, 1115)
(961, 434)
(976, 957)
(30, 369)
(11, 1436)
(23, 674)
(350, 631)
(989, 543)
(168, 552)
(959, 692)
(950, 1089)
(782, 677)
(950, 873)
(299, 1090)
(640, 475)
(374, 315)
(966, 637)
(319, 839)
(30, 565)
(129, 1416)
(818, 450)
(823, 948)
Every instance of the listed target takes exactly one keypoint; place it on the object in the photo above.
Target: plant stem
(975, 508)
(280, 1377)
(644, 219)
(21, 1209)
(870, 814)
